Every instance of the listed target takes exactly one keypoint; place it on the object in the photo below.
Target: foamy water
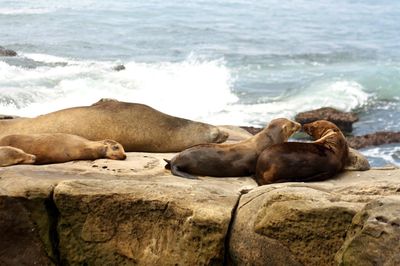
(194, 89)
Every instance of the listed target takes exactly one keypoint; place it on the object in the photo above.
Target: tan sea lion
(59, 147)
(302, 161)
(238, 159)
(356, 161)
(137, 127)
(10, 156)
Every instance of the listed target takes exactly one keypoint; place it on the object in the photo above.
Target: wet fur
(224, 160)
(298, 161)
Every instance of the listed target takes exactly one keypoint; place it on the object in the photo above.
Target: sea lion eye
(115, 147)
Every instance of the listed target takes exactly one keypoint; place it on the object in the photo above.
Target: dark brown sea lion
(136, 126)
(10, 156)
(59, 148)
(302, 161)
(238, 159)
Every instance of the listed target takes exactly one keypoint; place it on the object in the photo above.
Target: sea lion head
(280, 129)
(114, 150)
(218, 135)
(320, 128)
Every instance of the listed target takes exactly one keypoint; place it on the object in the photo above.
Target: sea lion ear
(108, 142)
(115, 147)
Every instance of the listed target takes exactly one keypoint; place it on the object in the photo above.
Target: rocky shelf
(135, 212)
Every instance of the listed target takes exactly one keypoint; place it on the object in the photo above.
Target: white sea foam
(47, 58)
(386, 154)
(192, 88)
(343, 95)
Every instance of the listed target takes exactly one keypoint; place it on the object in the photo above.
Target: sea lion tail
(168, 165)
(175, 170)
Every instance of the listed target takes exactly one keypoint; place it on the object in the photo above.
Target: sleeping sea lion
(136, 126)
(59, 147)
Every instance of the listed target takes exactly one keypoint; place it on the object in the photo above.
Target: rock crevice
(76, 214)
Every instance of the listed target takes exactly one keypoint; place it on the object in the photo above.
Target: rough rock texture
(343, 120)
(374, 237)
(23, 223)
(310, 223)
(7, 52)
(144, 222)
(114, 213)
(373, 139)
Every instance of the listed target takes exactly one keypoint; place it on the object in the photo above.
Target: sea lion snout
(29, 159)
(296, 127)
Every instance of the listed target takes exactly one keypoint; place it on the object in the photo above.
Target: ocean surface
(222, 61)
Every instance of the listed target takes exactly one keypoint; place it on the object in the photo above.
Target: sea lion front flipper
(175, 171)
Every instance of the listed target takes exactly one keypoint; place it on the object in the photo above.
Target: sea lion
(302, 161)
(136, 126)
(10, 156)
(238, 159)
(356, 161)
(59, 147)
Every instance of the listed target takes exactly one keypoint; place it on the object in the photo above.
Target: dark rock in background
(119, 67)
(7, 52)
(373, 139)
(344, 120)
(8, 117)
(252, 130)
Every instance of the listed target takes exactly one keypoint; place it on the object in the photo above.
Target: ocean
(223, 61)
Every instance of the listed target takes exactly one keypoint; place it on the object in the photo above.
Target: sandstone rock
(306, 223)
(21, 230)
(114, 212)
(132, 212)
(7, 52)
(175, 221)
(373, 139)
(374, 237)
(342, 119)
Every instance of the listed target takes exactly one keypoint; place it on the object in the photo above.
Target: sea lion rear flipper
(168, 165)
(175, 171)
